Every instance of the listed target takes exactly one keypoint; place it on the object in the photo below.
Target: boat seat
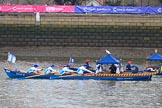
(55, 73)
(11, 69)
(23, 71)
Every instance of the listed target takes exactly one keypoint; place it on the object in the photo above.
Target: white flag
(71, 60)
(11, 58)
(108, 52)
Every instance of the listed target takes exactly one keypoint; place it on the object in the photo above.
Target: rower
(34, 69)
(66, 70)
(50, 69)
(135, 69)
(128, 66)
(83, 69)
(88, 65)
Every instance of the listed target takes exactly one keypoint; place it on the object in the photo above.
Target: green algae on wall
(82, 31)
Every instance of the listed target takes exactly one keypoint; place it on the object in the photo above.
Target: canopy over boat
(155, 57)
(108, 59)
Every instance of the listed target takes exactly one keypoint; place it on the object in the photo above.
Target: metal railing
(85, 2)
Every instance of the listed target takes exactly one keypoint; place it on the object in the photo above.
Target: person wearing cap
(34, 69)
(128, 66)
(135, 69)
(88, 65)
(66, 69)
(50, 69)
(83, 69)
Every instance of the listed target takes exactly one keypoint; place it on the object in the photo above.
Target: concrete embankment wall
(80, 30)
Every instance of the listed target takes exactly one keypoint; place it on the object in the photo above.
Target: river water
(30, 93)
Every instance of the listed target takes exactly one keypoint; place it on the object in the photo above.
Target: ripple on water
(31, 93)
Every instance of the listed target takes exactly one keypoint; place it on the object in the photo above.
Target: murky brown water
(77, 93)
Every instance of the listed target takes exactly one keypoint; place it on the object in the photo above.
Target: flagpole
(71, 61)
(11, 60)
(8, 58)
(9, 63)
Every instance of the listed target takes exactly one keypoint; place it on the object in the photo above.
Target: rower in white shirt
(50, 69)
(34, 69)
(66, 69)
(82, 69)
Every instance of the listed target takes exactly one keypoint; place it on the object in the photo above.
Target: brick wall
(20, 29)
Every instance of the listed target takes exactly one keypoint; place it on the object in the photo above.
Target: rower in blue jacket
(128, 66)
(135, 69)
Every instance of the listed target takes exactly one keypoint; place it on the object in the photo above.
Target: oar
(28, 77)
(58, 77)
(64, 76)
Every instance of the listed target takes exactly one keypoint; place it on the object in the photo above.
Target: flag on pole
(108, 52)
(11, 58)
(71, 60)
